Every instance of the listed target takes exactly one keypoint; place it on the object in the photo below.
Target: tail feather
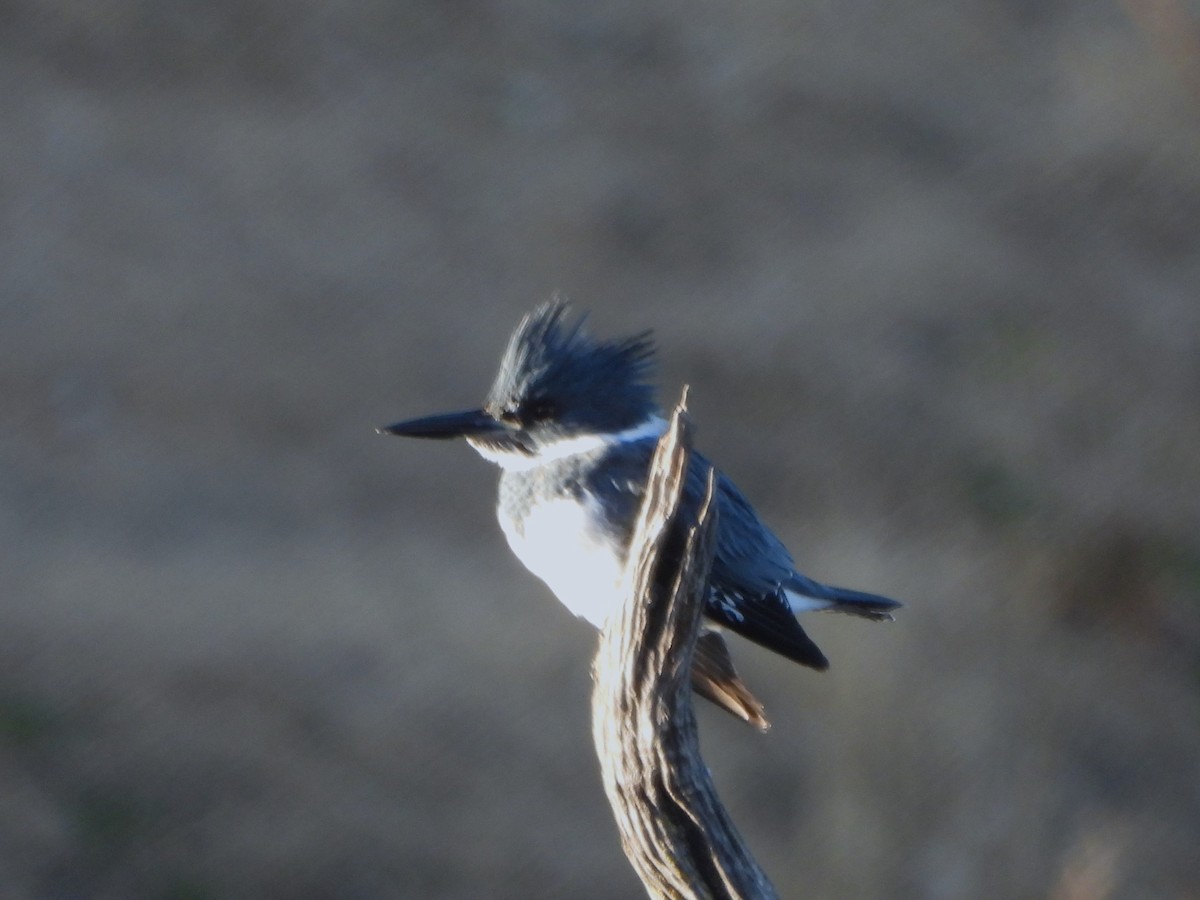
(804, 594)
(859, 603)
(715, 679)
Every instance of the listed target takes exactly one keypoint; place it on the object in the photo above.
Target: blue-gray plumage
(573, 423)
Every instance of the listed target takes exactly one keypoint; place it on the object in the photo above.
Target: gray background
(930, 269)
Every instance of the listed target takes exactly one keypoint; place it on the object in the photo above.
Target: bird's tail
(804, 594)
(715, 679)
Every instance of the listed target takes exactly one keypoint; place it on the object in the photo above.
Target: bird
(573, 422)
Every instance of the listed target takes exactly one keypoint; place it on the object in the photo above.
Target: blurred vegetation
(929, 269)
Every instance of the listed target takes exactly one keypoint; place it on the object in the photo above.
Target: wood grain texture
(674, 829)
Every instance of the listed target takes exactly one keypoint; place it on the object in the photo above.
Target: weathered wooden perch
(676, 833)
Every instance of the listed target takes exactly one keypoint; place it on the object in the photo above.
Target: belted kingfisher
(573, 423)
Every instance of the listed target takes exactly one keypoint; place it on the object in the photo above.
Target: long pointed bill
(471, 423)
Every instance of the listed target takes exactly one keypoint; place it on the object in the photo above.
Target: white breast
(557, 543)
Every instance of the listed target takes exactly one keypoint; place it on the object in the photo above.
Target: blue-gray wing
(749, 564)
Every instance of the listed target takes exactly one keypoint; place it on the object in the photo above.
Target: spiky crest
(553, 371)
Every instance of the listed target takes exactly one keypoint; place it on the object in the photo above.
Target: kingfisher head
(558, 390)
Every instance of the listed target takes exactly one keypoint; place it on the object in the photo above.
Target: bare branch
(673, 827)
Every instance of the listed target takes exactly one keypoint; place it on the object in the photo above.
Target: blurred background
(930, 269)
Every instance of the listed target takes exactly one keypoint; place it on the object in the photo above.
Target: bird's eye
(537, 411)
(509, 416)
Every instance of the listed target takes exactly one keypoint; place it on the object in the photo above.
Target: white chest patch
(558, 544)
